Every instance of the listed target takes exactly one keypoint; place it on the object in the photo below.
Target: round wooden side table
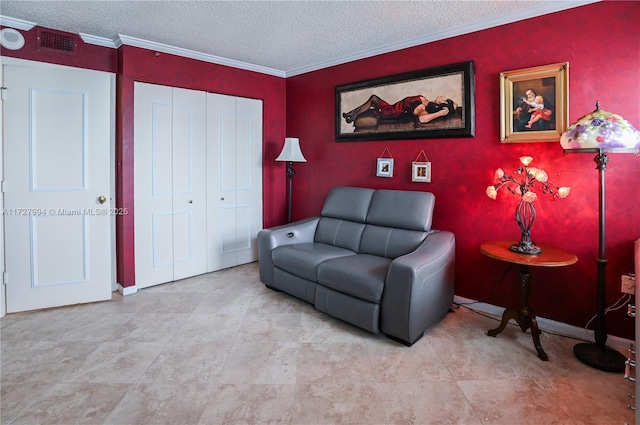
(525, 317)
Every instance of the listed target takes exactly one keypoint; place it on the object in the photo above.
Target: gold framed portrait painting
(534, 103)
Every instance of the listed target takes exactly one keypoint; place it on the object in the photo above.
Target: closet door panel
(243, 156)
(227, 157)
(234, 179)
(189, 183)
(183, 252)
(228, 241)
(161, 154)
(221, 222)
(249, 178)
(153, 184)
(183, 144)
(243, 176)
(162, 245)
(244, 230)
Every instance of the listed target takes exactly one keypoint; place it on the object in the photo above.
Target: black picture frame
(388, 108)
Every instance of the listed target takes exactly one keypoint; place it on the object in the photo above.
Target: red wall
(599, 41)
(602, 46)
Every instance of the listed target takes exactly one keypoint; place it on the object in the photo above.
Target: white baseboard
(129, 290)
(548, 325)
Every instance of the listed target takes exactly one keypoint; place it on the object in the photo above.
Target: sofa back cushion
(397, 222)
(389, 242)
(402, 209)
(341, 233)
(343, 217)
(348, 203)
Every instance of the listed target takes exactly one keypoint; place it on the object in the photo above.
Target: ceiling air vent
(55, 41)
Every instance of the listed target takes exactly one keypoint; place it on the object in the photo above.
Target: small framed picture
(421, 172)
(385, 167)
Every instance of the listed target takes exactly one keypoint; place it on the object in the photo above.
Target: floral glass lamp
(601, 132)
(522, 183)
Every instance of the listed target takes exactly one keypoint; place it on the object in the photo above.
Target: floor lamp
(601, 132)
(291, 153)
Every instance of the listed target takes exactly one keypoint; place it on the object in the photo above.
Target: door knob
(102, 199)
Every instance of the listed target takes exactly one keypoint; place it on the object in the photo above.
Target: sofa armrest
(302, 231)
(419, 288)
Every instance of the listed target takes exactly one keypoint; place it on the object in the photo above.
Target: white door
(234, 179)
(58, 133)
(170, 183)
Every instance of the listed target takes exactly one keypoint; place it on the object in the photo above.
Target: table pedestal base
(525, 318)
(549, 256)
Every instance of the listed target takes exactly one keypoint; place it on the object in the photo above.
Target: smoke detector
(11, 39)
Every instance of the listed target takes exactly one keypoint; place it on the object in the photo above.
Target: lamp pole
(290, 173)
(601, 159)
(598, 355)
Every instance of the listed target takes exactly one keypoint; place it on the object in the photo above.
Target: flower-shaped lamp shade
(291, 151)
(601, 131)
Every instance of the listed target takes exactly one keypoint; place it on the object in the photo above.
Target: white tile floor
(223, 349)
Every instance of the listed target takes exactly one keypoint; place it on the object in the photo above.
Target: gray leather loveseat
(370, 259)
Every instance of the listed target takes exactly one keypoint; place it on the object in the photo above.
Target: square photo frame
(534, 104)
(421, 172)
(385, 167)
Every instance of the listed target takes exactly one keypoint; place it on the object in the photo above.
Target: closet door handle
(190, 201)
(222, 199)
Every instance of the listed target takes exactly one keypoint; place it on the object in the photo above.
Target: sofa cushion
(350, 309)
(361, 276)
(302, 259)
(402, 209)
(348, 203)
(294, 285)
(341, 233)
(389, 242)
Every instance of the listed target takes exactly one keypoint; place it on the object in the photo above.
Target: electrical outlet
(628, 284)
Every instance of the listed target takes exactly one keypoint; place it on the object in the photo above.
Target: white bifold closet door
(170, 183)
(234, 180)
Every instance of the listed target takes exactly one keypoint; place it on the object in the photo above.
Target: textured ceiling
(283, 37)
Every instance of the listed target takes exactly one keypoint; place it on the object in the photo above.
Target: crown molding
(18, 24)
(164, 48)
(547, 8)
(551, 7)
(98, 41)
